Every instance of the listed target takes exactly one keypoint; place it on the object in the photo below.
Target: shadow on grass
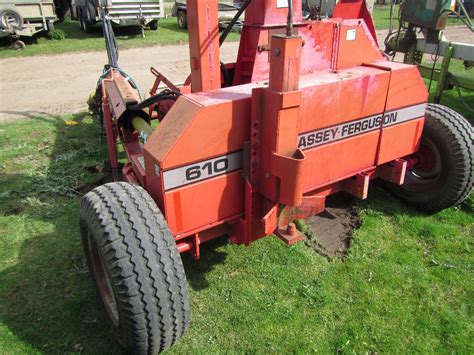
(50, 302)
(196, 270)
(73, 31)
(48, 298)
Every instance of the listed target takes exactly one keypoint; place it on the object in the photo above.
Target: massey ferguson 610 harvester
(310, 108)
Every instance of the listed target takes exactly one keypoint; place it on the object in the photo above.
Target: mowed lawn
(407, 284)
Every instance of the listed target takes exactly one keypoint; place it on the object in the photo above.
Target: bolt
(277, 51)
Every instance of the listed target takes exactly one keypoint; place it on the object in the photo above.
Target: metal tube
(143, 128)
(443, 74)
(184, 247)
(289, 26)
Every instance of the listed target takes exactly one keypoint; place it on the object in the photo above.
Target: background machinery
(420, 32)
(309, 108)
(25, 18)
(227, 11)
(142, 13)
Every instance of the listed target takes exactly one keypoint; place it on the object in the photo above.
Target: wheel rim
(428, 168)
(180, 20)
(12, 19)
(102, 281)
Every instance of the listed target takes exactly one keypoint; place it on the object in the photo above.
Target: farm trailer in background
(25, 18)
(143, 13)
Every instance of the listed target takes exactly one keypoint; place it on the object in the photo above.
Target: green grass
(406, 286)
(79, 41)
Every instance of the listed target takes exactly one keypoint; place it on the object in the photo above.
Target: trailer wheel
(444, 173)
(88, 18)
(50, 26)
(11, 19)
(136, 267)
(182, 19)
(91, 12)
(80, 17)
(153, 25)
(19, 45)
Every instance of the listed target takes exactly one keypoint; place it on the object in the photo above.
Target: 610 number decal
(202, 170)
(210, 168)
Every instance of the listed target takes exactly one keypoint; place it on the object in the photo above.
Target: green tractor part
(429, 14)
(430, 17)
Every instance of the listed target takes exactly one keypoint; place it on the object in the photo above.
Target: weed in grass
(57, 34)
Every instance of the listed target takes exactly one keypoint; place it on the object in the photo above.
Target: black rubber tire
(19, 45)
(11, 19)
(182, 19)
(88, 18)
(452, 137)
(123, 228)
(153, 25)
(80, 17)
(91, 12)
(50, 26)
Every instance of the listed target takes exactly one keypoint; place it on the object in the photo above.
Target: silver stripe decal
(225, 164)
(202, 170)
(364, 125)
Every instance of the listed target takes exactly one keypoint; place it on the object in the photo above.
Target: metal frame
(444, 78)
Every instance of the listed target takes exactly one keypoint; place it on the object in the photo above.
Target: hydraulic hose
(165, 95)
(110, 40)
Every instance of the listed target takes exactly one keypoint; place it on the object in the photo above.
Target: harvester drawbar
(310, 108)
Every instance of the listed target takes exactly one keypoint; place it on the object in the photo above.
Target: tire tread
(144, 265)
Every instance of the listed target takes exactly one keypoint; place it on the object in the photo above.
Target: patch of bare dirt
(84, 189)
(61, 84)
(330, 233)
(95, 169)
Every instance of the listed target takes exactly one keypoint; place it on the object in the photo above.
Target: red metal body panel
(356, 9)
(205, 203)
(356, 45)
(268, 13)
(203, 28)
